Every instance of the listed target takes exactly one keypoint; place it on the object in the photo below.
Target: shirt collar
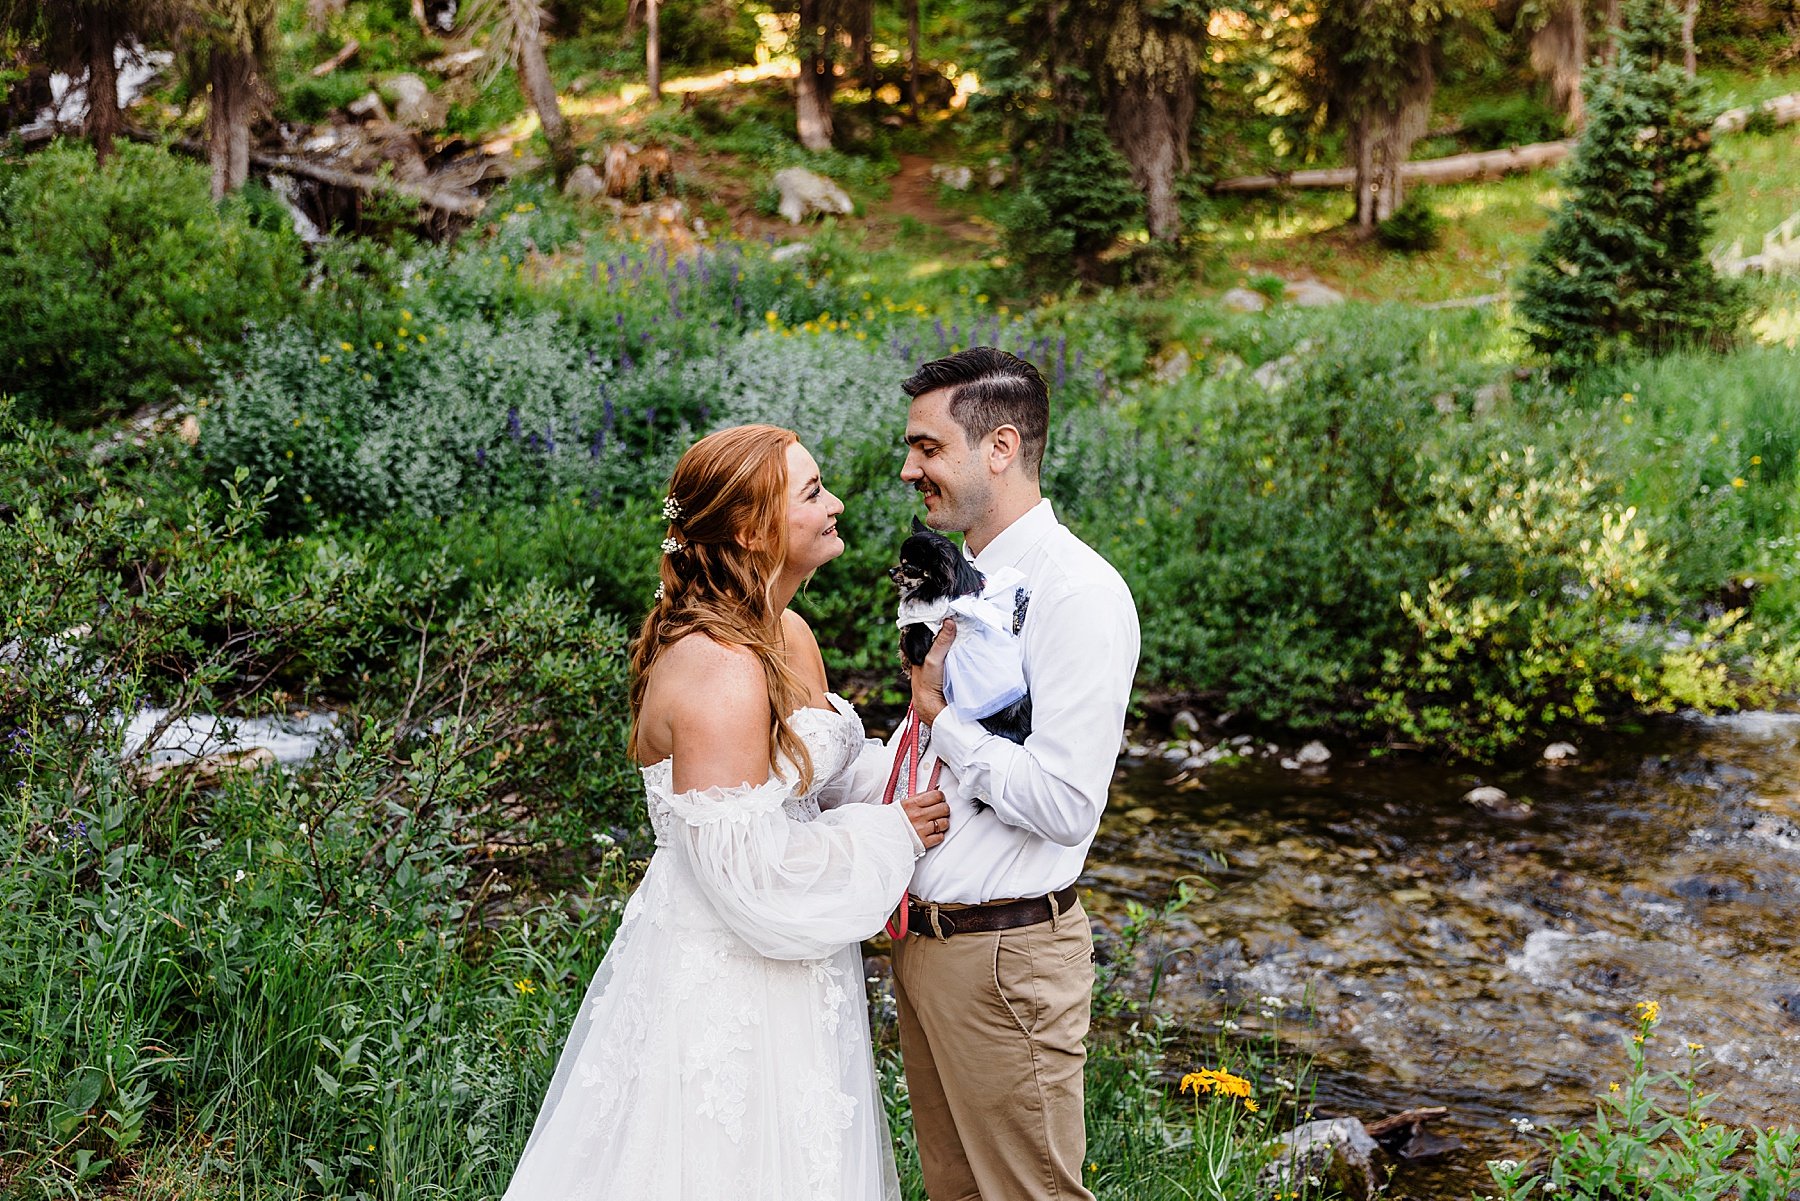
(1012, 543)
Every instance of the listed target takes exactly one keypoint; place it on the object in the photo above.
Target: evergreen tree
(1624, 265)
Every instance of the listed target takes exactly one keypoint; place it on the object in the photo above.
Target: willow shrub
(119, 281)
(287, 985)
(1368, 538)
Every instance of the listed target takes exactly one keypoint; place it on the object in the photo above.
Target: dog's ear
(919, 527)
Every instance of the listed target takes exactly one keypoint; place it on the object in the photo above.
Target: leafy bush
(1354, 544)
(297, 966)
(1415, 226)
(1518, 120)
(119, 282)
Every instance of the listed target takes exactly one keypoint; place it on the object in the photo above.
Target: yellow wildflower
(345, 347)
(1649, 1011)
(1696, 1047)
(1613, 1087)
(380, 345)
(1737, 482)
(405, 316)
(1756, 460)
(1249, 1105)
(525, 987)
(324, 358)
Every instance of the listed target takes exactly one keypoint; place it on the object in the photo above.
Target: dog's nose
(894, 574)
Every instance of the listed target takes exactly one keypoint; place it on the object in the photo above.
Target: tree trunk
(653, 50)
(539, 88)
(1147, 82)
(1382, 139)
(1690, 57)
(320, 12)
(103, 80)
(812, 90)
(634, 16)
(1609, 49)
(1150, 126)
(1558, 54)
(912, 58)
(231, 76)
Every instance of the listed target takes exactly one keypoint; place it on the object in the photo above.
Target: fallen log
(1491, 164)
(337, 60)
(443, 200)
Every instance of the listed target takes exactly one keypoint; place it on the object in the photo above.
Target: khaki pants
(992, 1029)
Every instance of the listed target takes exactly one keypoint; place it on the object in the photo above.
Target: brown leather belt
(940, 921)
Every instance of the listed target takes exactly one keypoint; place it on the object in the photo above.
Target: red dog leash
(907, 760)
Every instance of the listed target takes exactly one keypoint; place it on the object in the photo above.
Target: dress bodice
(833, 737)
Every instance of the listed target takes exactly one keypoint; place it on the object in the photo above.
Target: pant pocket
(1015, 980)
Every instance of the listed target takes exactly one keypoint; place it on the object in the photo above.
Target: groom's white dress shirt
(1043, 799)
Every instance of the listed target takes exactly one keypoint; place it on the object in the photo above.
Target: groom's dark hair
(989, 389)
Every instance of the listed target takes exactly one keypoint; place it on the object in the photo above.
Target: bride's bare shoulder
(696, 666)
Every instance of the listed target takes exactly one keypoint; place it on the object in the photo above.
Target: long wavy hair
(730, 489)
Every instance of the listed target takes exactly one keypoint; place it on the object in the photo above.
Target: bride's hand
(930, 814)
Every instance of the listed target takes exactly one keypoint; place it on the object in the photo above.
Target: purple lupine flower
(705, 414)
(513, 425)
(597, 445)
(606, 410)
(650, 415)
(549, 440)
(481, 456)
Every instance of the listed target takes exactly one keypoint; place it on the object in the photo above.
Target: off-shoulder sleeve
(793, 889)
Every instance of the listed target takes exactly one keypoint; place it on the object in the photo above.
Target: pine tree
(1624, 264)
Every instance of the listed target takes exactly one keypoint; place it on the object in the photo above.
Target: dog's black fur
(932, 569)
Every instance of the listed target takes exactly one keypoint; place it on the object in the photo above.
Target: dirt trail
(915, 194)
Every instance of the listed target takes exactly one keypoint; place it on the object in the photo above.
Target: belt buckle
(942, 926)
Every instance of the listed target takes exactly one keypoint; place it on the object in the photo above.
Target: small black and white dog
(931, 573)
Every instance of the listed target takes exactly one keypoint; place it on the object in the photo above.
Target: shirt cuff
(912, 832)
(955, 739)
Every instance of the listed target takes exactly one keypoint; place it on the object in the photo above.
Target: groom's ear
(919, 527)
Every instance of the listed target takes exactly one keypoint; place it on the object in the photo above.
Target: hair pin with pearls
(671, 509)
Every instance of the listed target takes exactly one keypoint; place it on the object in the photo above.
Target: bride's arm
(792, 890)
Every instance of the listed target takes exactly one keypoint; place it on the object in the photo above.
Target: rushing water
(1484, 963)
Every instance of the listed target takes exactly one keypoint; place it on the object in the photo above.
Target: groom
(995, 978)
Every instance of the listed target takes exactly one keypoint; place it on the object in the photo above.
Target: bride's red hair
(731, 489)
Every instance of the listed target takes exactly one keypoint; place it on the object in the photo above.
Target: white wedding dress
(722, 1050)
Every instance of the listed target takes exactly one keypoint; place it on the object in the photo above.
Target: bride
(722, 1050)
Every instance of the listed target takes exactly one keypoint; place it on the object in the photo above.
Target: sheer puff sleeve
(794, 889)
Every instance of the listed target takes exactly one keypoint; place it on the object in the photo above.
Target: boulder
(1558, 753)
(1313, 753)
(1186, 722)
(584, 183)
(790, 251)
(1339, 1155)
(367, 107)
(1243, 300)
(1311, 294)
(805, 192)
(998, 173)
(1172, 365)
(415, 104)
(956, 178)
(1495, 801)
